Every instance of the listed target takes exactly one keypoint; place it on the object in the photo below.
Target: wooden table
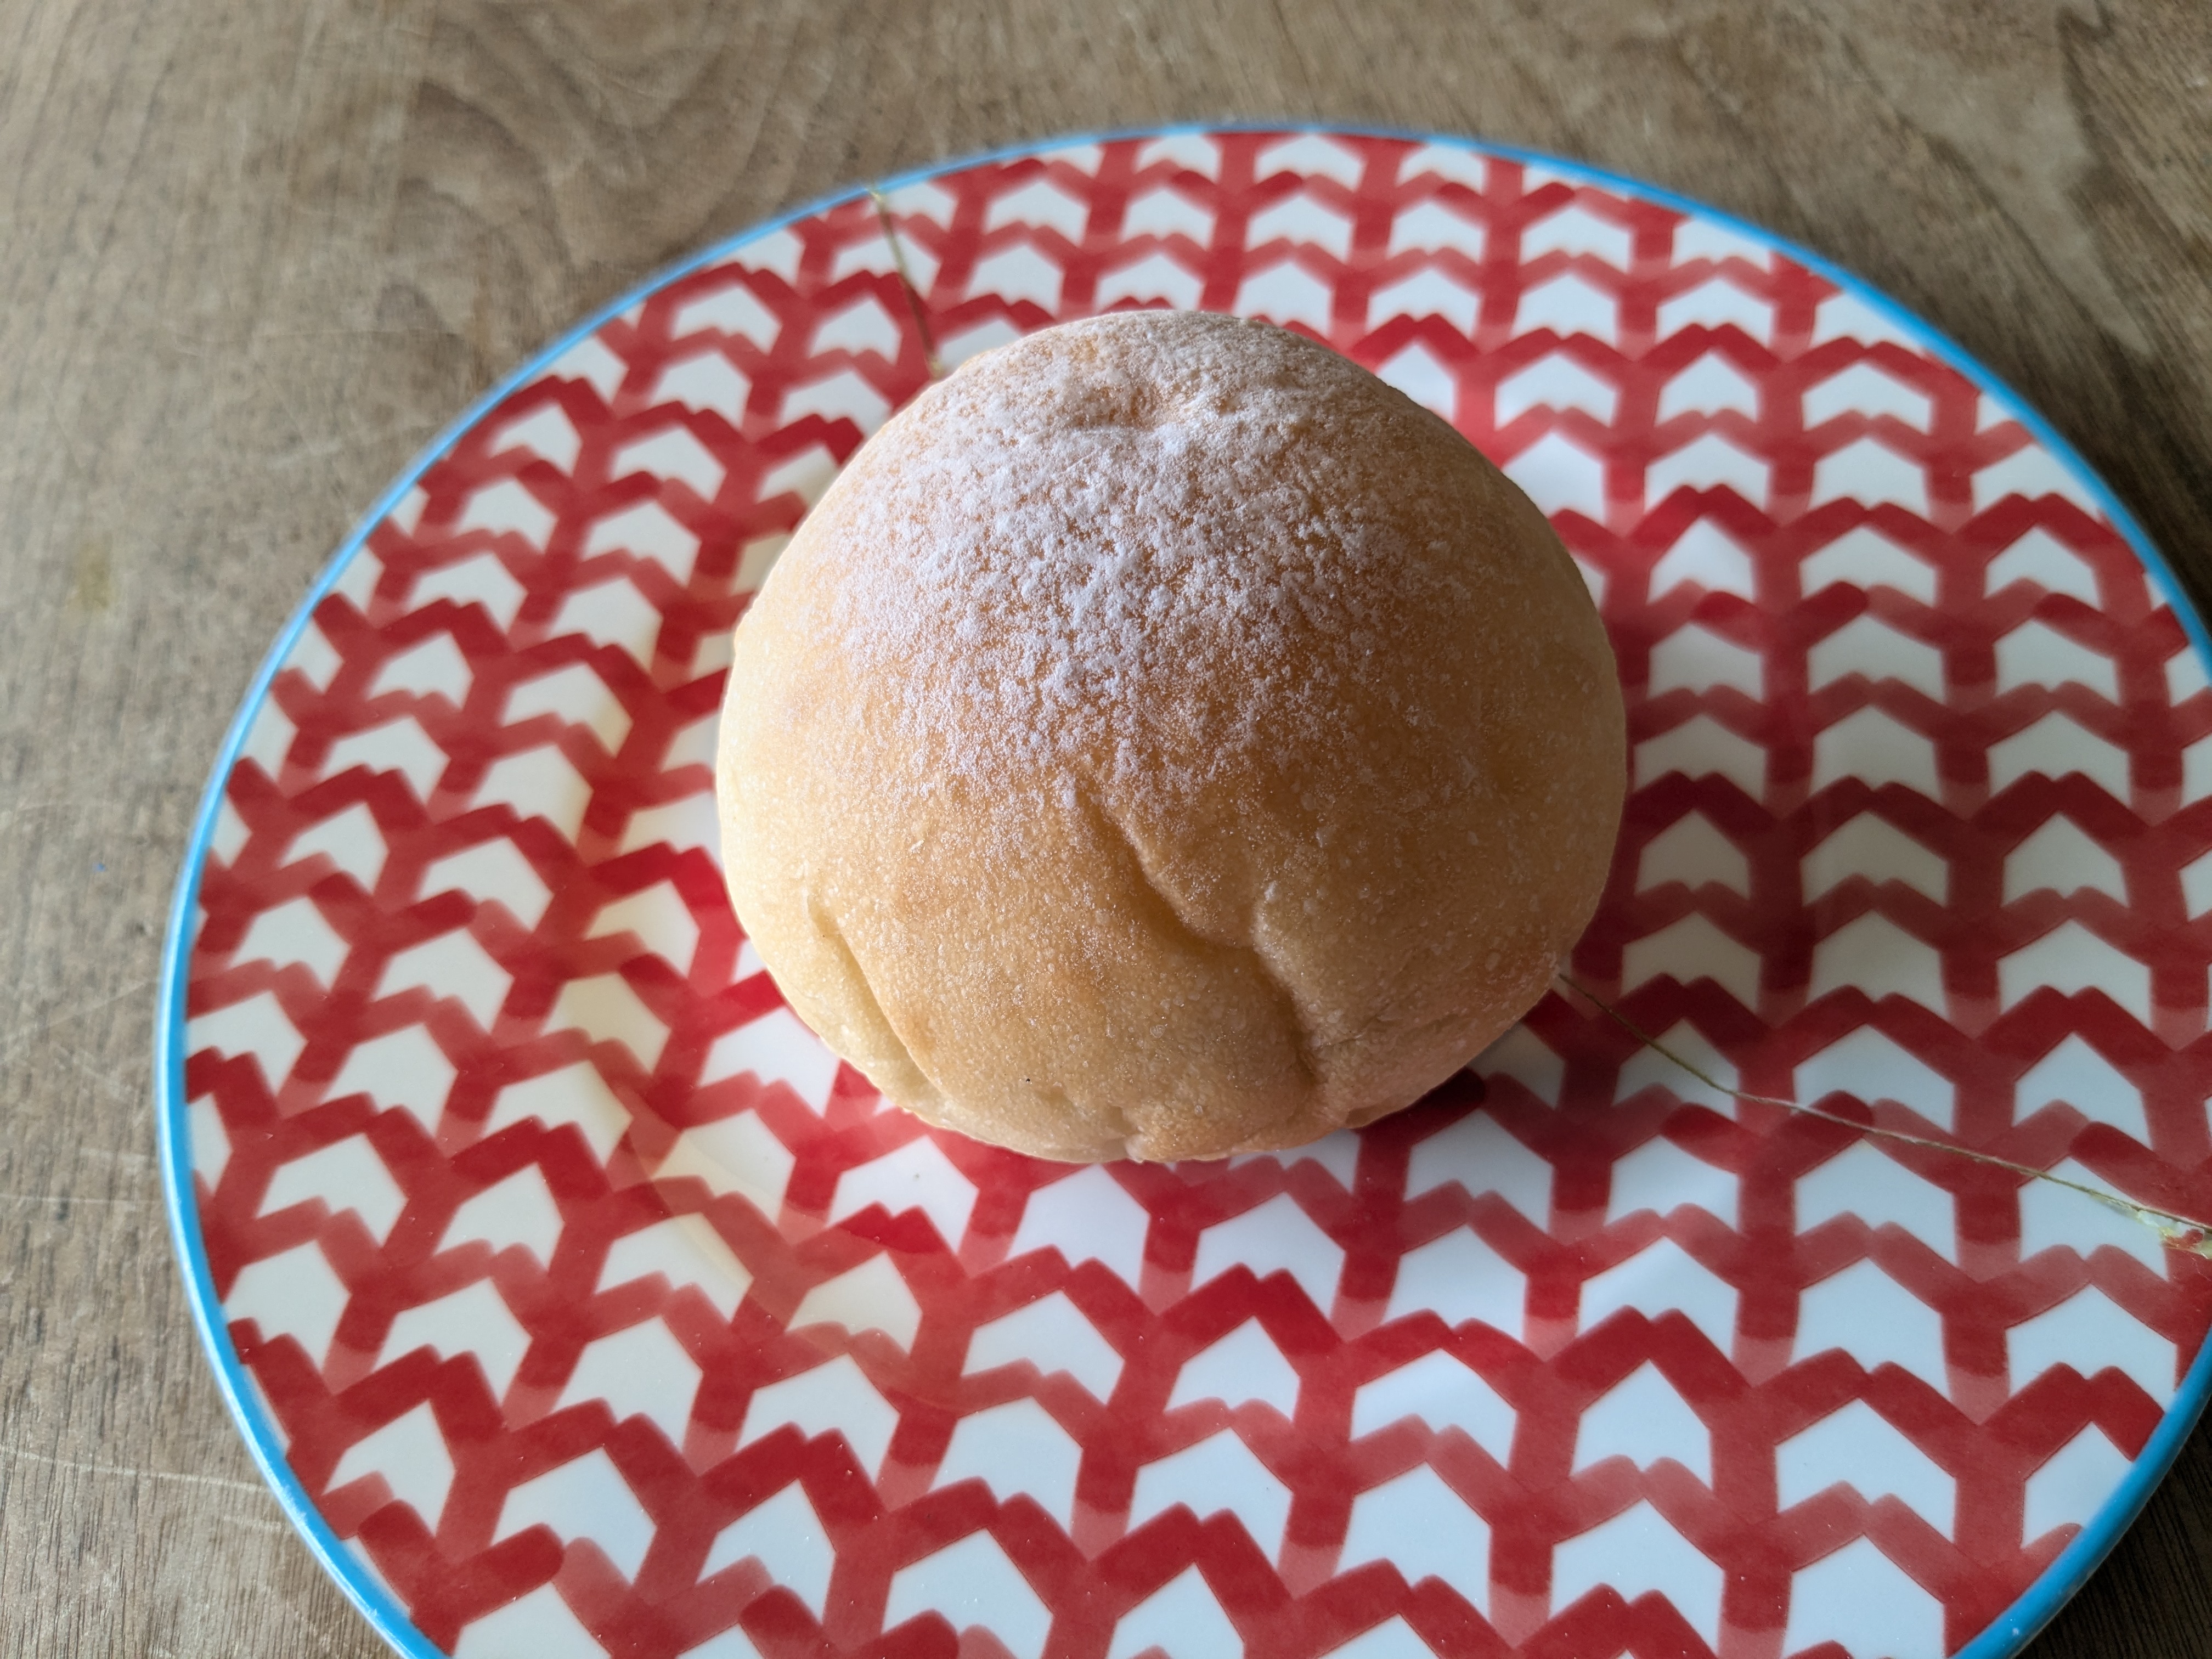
(253, 255)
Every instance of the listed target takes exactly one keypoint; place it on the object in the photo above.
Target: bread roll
(1164, 739)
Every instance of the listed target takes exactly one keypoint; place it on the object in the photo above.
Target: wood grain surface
(254, 254)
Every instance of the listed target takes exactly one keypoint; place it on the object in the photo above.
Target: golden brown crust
(1166, 740)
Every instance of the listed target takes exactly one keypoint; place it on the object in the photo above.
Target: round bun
(1165, 740)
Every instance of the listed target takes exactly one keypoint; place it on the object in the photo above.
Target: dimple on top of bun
(1166, 738)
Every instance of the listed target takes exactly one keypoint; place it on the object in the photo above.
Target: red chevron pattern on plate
(594, 1308)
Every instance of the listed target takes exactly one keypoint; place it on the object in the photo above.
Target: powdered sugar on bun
(1166, 740)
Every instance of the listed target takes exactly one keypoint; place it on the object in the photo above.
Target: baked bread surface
(1165, 740)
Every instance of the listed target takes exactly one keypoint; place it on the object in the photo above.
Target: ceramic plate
(576, 1301)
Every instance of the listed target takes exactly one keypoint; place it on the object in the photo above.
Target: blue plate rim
(2002, 1639)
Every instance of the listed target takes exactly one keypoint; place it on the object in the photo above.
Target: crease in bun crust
(1165, 740)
